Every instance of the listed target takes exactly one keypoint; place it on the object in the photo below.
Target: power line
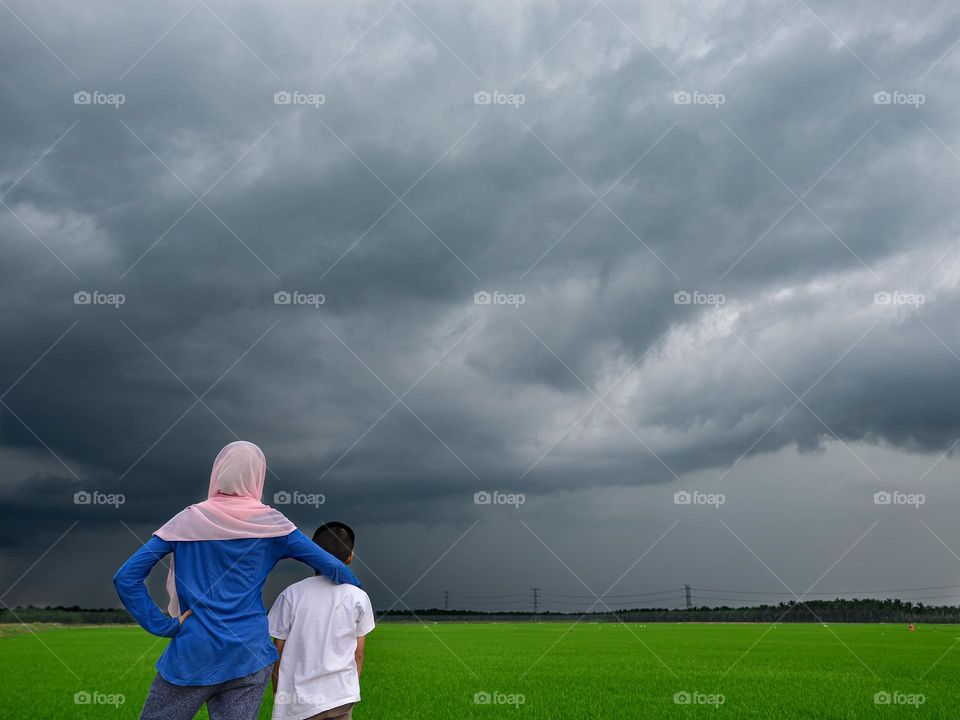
(594, 597)
(538, 598)
(779, 600)
(487, 597)
(524, 599)
(512, 603)
(673, 596)
(828, 592)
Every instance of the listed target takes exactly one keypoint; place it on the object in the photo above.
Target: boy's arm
(365, 625)
(279, 620)
(358, 655)
(275, 675)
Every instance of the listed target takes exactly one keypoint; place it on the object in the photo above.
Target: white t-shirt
(320, 622)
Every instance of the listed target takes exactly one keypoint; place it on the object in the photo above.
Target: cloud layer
(717, 233)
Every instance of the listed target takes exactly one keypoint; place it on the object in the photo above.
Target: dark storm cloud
(598, 198)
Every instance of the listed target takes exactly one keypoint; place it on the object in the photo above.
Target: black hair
(336, 538)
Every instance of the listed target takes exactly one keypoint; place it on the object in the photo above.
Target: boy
(319, 630)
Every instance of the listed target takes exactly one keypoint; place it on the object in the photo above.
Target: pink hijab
(232, 510)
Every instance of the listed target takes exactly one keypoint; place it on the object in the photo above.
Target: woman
(223, 548)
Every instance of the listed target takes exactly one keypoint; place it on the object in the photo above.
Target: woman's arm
(299, 547)
(129, 582)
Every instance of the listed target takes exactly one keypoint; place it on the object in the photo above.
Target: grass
(560, 670)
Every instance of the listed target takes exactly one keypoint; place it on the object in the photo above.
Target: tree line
(810, 611)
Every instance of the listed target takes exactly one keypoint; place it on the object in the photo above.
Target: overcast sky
(721, 243)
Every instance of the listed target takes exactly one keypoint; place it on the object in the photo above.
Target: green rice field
(545, 671)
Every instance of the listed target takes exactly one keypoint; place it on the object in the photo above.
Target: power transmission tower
(536, 600)
(446, 599)
(686, 590)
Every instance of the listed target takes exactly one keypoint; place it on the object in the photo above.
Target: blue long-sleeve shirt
(222, 582)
